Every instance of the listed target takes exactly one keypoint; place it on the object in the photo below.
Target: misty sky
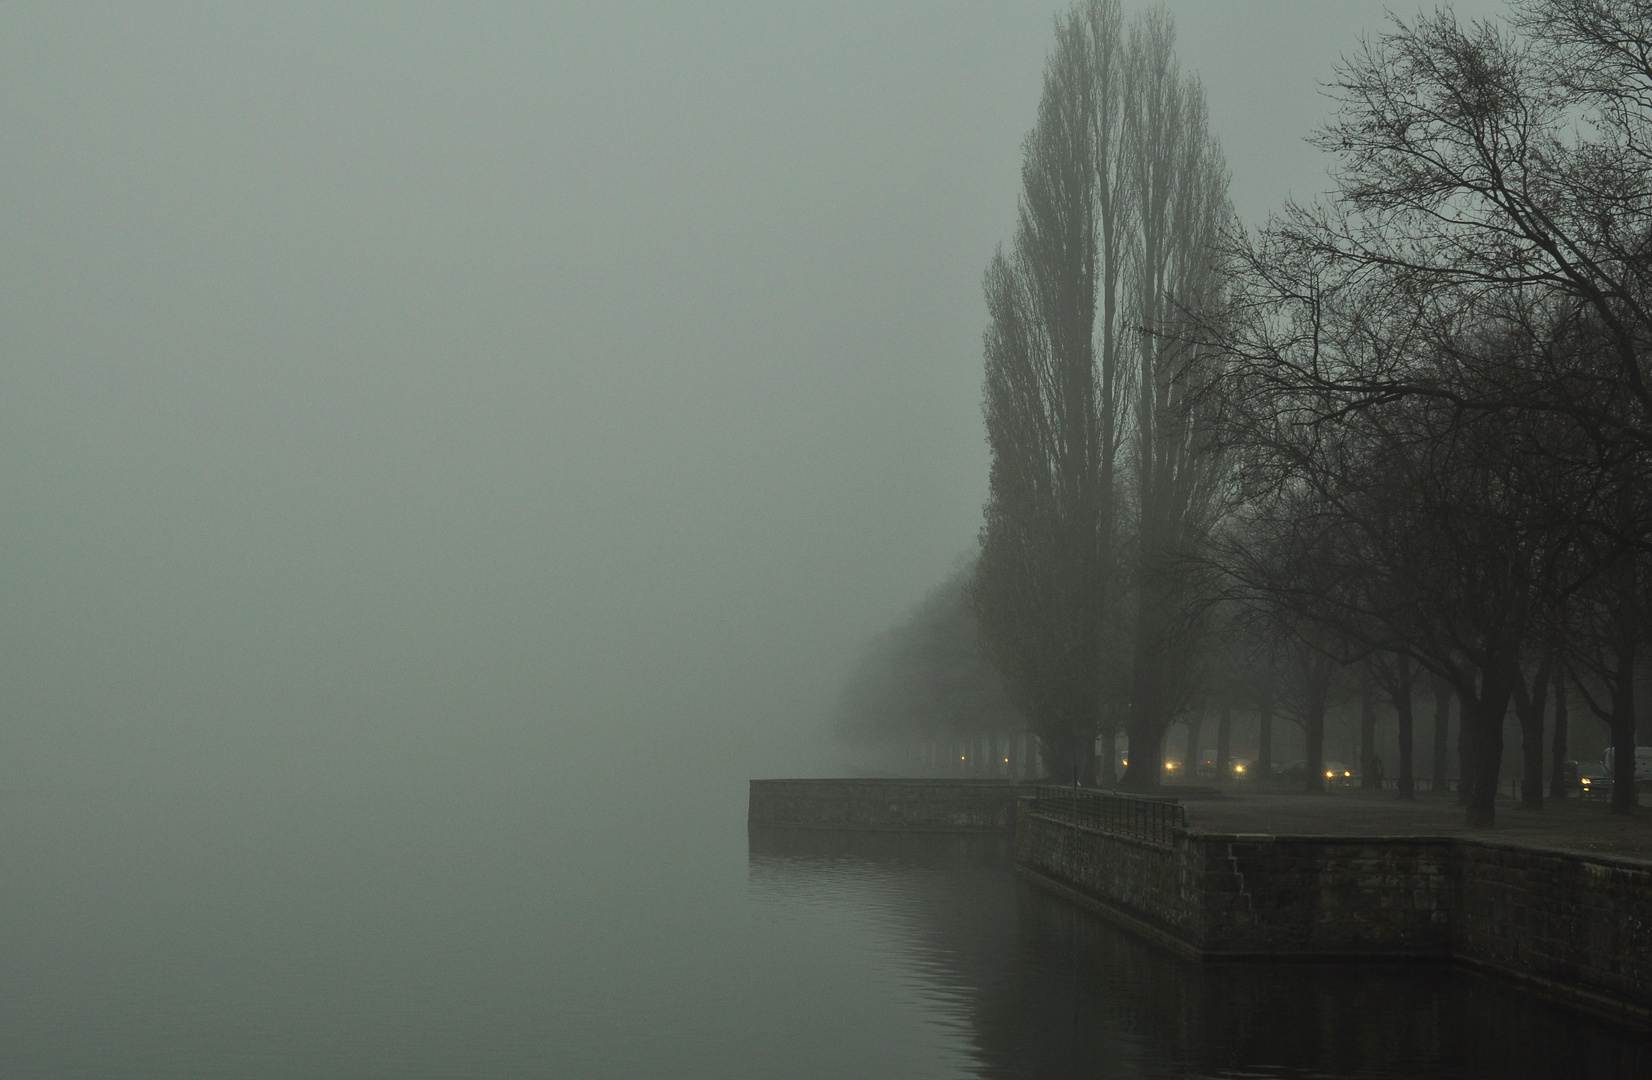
(376, 379)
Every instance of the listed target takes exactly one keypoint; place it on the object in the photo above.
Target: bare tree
(1309, 685)
(1513, 163)
(1516, 167)
(1439, 763)
(1114, 255)
(1557, 774)
(1115, 233)
(1607, 640)
(1409, 524)
(1396, 675)
(1041, 581)
(1178, 184)
(1529, 706)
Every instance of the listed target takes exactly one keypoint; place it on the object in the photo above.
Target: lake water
(497, 924)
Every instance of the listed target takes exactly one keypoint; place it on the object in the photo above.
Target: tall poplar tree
(1178, 187)
(1039, 583)
(1123, 194)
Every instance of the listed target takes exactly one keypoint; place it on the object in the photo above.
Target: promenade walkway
(1562, 824)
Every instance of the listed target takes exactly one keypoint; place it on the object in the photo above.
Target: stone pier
(898, 805)
(1575, 925)
(1560, 900)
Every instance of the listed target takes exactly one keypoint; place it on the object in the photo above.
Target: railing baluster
(1144, 816)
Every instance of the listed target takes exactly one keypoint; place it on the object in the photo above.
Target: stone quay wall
(1575, 927)
(1325, 896)
(964, 806)
(1571, 926)
(1235, 897)
(1144, 884)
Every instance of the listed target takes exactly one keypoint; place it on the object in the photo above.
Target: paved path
(1569, 824)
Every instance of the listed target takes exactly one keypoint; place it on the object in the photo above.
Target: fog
(404, 403)
(385, 383)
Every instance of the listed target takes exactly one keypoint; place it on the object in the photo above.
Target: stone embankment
(1575, 925)
(961, 806)
(1559, 900)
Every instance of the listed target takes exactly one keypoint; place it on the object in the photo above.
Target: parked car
(1590, 779)
(1643, 765)
(1339, 775)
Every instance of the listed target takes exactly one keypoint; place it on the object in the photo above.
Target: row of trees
(924, 694)
(1406, 427)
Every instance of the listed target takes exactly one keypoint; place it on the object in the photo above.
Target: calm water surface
(501, 923)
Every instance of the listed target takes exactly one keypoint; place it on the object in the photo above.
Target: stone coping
(1628, 862)
(987, 781)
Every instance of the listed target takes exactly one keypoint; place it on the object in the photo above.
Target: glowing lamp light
(1238, 768)
(960, 757)
(1347, 774)
(1329, 773)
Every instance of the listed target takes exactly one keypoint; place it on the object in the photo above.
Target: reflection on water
(1041, 989)
(516, 927)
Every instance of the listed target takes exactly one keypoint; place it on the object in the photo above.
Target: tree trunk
(1624, 798)
(1643, 715)
(1195, 728)
(1466, 755)
(1402, 713)
(1263, 769)
(1530, 709)
(1147, 719)
(1442, 728)
(1070, 752)
(1224, 742)
(1368, 776)
(1487, 714)
(1314, 732)
(1053, 762)
(1557, 772)
(1146, 761)
(1319, 686)
(1085, 755)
